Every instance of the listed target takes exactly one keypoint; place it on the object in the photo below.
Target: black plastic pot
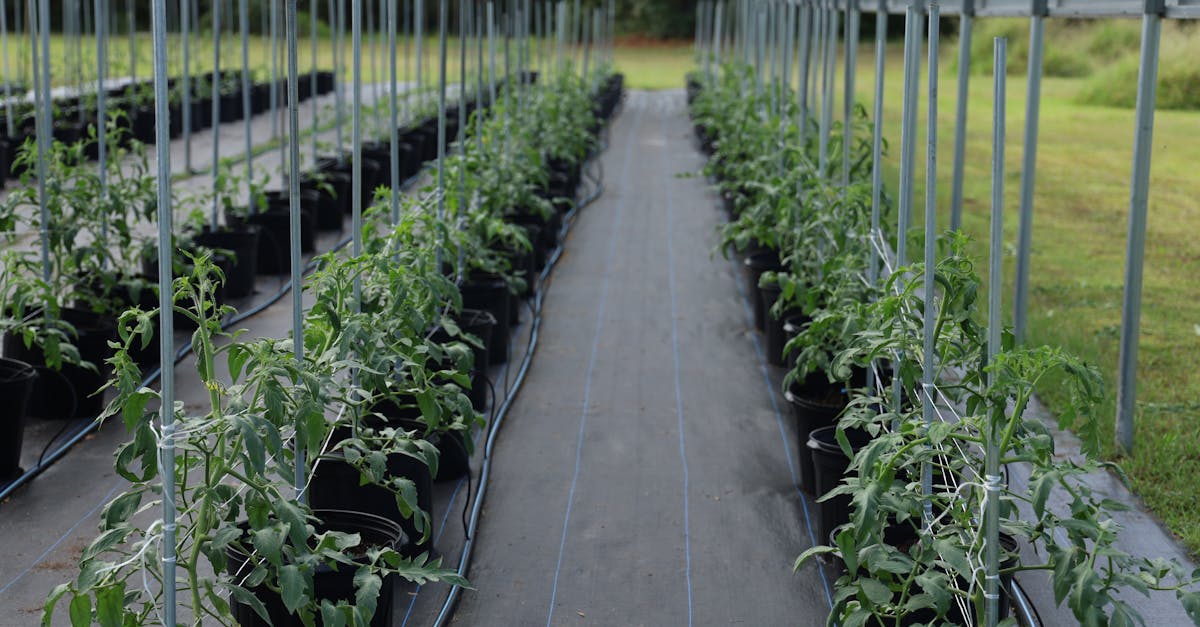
(231, 107)
(773, 328)
(333, 585)
(479, 324)
(816, 403)
(326, 205)
(756, 264)
(829, 466)
(69, 392)
(326, 82)
(16, 387)
(274, 242)
(793, 325)
(334, 183)
(243, 243)
(335, 485)
(490, 293)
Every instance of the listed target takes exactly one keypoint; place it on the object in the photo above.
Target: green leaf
(292, 587)
(81, 610)
(1191, 604)
(366, 591)
(245, 597)
(51, 601)
(121, 508)
(269, 542)
(110, 605)
(878, 593)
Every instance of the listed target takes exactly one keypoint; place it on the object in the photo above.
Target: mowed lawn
(1080, 223)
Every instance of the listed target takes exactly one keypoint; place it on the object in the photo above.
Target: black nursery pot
(243, 243)
(328, 584)
(793, 325)
(70, 392)
(274, 242)
(335, 485)
(829, 466)
(816, 403)
(479, 324)
(16, 387)
(756, 264)
(490, 293)
(773, 328)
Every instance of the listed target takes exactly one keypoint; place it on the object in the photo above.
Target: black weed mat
(645, 474)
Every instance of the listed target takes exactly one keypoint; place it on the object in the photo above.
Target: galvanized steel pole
(1033, 101)
(881, 20)
(216, 111)
(991, 517)
(244, 20)
(293, 136)
(394, 126)
(929, 352)
(966, 25)
(1143, 143)
(166, 331)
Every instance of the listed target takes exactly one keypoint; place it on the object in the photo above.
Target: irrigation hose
(464, 562)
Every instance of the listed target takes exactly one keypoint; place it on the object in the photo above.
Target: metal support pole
(313, 9)
(1143, 144)
(101, 7)
(881, 20)
(44, 122)
(394, 127)
(908, 128)
(419, 27)
(216, 111)
(244, 19)
(356, 195)
(850, 62)
(131, 23)
(1033, 100)
(491, 42)
(273, 38)
(166, 332)
(991, 517)
(929, 367)
(461, 209)
(443, 10)
(339, 94)
(806, 18)
(827, 73)
(184, 28)
(8, 112)
(966, 25)
(293, 106)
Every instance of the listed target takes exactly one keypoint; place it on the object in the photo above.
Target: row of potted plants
(385, 400)
(57, 324)
(131, 106)
(902, 498)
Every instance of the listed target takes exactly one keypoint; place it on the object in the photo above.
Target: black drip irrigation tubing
(464, 562)
(45, 462)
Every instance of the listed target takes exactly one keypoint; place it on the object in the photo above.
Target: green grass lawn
(1080, 220)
